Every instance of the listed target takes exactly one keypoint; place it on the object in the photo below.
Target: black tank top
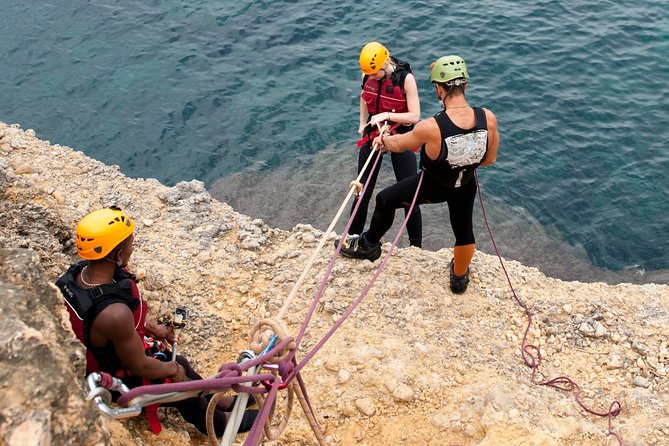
(461, 150)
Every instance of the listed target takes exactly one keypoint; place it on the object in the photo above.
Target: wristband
(176, 374)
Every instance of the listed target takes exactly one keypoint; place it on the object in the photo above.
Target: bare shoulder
(490, 116)
(426, 126)
(114, 319)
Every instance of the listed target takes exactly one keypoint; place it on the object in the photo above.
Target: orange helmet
(372, 57)
(98, 233)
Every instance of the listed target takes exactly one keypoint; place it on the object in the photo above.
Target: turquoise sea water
(259, 101)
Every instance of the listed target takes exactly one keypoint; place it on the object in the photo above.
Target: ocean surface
(259, 100)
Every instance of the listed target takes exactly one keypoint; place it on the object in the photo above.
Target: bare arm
(116, 324)
(363, 116)
(493, 139)
(423, 133)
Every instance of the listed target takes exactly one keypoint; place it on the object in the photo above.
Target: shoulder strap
(364, 80)
(401, 72)
(481, 119)
(81, 300)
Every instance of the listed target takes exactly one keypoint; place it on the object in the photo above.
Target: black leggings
(404, 166)
(194, 410)
(460, 206)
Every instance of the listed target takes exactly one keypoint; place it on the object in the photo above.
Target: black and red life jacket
(84, 305)
(387, 95)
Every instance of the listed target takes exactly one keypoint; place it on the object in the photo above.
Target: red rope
(532, 355)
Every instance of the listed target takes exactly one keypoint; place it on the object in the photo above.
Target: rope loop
(261, 335)
(277, 420)
(562, 383)
(531, 356)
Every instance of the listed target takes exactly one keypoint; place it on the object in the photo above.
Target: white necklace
(81, 276)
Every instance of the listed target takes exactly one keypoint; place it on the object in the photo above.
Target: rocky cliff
(413, 365)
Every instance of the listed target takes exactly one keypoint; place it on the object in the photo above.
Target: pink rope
(316, 299)
(532, 355)
(229, 376)
(352, 307)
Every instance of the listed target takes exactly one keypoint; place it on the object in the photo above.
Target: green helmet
(447, 68)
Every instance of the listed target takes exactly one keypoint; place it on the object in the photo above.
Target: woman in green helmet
(454, 142)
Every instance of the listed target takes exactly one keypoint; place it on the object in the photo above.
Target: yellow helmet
(98, 233)
(372, 57)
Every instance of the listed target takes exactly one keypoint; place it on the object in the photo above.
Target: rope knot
(285, 369)
(230, 367)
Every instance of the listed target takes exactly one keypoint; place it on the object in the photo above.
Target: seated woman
(108, 316)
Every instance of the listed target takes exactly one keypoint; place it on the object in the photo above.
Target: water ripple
(199, 89)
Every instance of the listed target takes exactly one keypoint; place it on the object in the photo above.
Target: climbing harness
(531, 354)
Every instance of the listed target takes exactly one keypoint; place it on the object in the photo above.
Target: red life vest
(387, 95)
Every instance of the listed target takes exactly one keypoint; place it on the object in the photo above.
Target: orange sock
(462, 257)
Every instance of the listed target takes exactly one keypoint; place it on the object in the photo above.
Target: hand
(180, 375)
(361, 129)
(378, 119)
(162, 332)
(379, 142)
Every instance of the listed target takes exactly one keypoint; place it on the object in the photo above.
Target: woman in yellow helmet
(108, 316)
(389, 95)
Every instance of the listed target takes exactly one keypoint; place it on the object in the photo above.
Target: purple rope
(532, 355)
(229, 376)
(352, 307)
(316, 298)
(254, 435)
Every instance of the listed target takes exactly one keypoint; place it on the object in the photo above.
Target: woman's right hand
(361, 128)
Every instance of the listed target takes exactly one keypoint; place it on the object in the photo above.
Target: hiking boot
(359, 247)
(458, 283)
(347, 240)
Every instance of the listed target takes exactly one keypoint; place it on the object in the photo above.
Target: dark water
(259, 101)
